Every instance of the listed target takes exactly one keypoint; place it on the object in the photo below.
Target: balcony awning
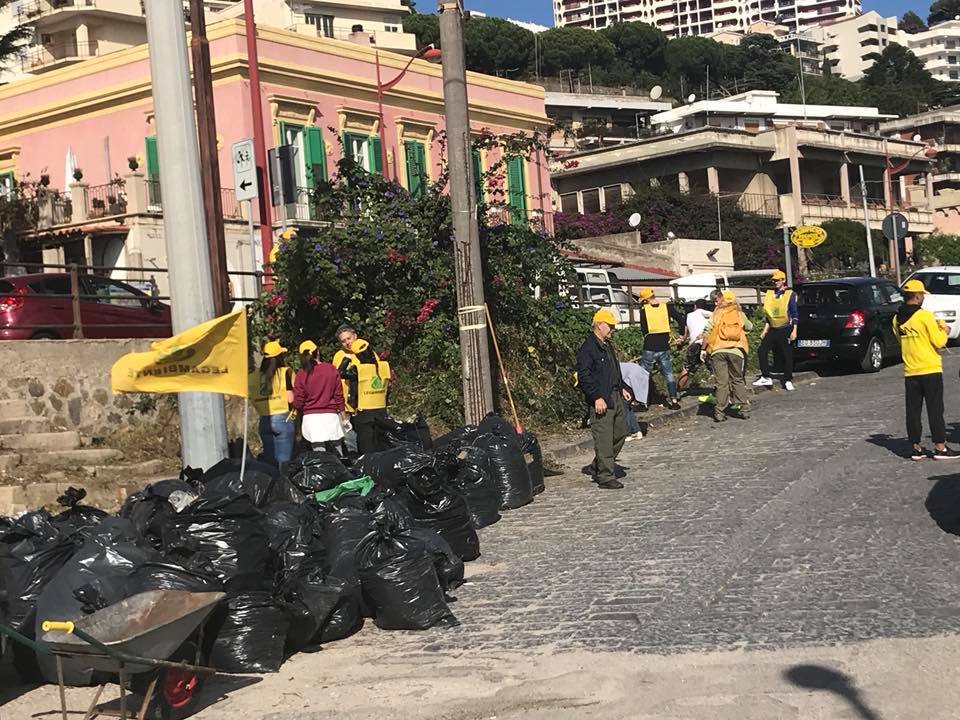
(54, 236)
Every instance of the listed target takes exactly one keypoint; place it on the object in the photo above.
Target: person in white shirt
(697, 321)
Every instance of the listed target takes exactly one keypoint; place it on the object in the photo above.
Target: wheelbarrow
(144, 640)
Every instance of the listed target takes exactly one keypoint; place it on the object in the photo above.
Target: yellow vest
(776, 307)
(658, 319)
(371, 388)
(273, 399)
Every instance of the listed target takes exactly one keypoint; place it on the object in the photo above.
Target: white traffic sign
(244, 170)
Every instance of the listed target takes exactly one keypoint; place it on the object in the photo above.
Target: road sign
(244, 170)
(895, 227)
(808, 236)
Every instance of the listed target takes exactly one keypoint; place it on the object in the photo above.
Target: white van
(943, 285)
(699, 285)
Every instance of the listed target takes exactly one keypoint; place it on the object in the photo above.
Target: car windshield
(939, 283)
(5, 287)
(835, 295)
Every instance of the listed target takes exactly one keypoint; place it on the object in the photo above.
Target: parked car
(847, 321)
(943, 285)
(40, 307)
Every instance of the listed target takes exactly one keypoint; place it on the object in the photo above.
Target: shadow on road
(818, 677)
(943, 503)
(899, 446)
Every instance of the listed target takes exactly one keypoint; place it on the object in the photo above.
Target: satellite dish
(670, 235)
(917, 138)
(656, 92)
(634, 220)
(691, 98)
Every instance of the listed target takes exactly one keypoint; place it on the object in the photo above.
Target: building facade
(590, 120)
(938, 48)
(851, 45)
(319, 94)
(677, 18)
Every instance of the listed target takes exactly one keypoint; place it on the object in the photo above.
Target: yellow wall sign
(808, 236)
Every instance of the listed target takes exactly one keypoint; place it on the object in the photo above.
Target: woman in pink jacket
(318, 398)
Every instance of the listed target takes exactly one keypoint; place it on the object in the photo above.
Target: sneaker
(918, 452)
(946, 454)
(719, 417)
(788, 386)
(673, 404)
(610, 485)
(739, 413)
(635, 436)
(763, 382)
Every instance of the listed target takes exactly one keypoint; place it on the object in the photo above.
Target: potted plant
(78, 174)
(133, 163)
(44, 180)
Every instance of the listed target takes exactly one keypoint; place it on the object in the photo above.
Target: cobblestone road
(799, 526)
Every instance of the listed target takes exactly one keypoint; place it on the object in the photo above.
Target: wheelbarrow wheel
(176, 693)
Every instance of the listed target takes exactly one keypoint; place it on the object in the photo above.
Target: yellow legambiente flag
(210, 357)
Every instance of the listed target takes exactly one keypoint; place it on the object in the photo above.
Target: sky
(539, 11)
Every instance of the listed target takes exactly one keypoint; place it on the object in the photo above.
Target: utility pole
(474, 350)
(866, 223)
(203, 429)
(210, 162)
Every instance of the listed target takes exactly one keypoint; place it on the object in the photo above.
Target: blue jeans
(664, 361)
(277, 435)
(633, 425)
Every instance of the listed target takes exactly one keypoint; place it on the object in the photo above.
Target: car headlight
(946, 314)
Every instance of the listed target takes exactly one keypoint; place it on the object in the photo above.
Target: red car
(39, 307)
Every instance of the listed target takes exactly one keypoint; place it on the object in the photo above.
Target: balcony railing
(106, 200)
(31, 9)
(35, 57)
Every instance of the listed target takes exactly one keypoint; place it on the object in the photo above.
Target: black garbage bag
(531, 448)
(455, 439)
(392, 468)
(448, 566)
(400, 583)
(157, 575)
(388, 509)
(250, 631)
(397, 433)
(473, 479)
(223, 536)
(317, 470)
(77, 517)
(146, 509)
(261, 482)
(508, 468)
(437, 506)
(345, 524)
(295, 533)
(493, 424)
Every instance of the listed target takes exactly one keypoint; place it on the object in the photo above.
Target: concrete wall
(68, 381)
(680, 256)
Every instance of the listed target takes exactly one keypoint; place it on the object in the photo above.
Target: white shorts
(322, 427)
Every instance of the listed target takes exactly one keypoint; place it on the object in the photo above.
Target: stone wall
(68, 381)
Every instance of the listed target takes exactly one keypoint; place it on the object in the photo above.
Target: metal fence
(106, 200)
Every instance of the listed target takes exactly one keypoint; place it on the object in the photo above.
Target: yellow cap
(605, 315)
(914, 286)
(646, 293)
(307, 346)
(288, 234)
(273, 349)
(358, 346)
(778, 275)
(729, 295)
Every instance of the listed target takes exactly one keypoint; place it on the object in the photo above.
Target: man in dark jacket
(598, 374)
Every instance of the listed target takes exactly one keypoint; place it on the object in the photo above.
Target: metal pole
(210, 165)
(383, 140)
(203, 429)
(253, 249)
(719, 222)
(896, 252)
(787, 262)
(474, 350)
(866, 223)
(259, 141)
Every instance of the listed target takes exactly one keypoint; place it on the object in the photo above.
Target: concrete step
(123, 472)
(68, 440)
(8, 462)
(69, 458)
(14, 409)
(25, 424)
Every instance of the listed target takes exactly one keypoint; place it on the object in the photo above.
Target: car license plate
(813, 343)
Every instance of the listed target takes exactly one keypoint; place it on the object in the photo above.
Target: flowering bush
(382, 260)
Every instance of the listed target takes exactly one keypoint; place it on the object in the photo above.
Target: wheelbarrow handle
(55, 626)
(39, 648)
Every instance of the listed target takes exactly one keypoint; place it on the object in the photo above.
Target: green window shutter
(348, 146)
(516, 190)
(416, 157)
(315, 156)
(478, 175)
(153, 170)
(375, 157)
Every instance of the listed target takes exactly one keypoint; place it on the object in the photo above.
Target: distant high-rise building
(677, 18)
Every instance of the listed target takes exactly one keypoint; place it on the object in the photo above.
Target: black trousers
(929, 389)
(778, 340)
(369, 438)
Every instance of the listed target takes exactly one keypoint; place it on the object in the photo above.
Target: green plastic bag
(362, 485)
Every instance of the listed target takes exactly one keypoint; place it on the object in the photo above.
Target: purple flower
(379, 234)
(435, 243)
(388, 194)
(560, 305)
(318, 248)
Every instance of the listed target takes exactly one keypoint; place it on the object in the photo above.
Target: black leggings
(778, 340)
(369, 437)
(929, 389)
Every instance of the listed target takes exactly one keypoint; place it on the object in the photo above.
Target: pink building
(319, 94)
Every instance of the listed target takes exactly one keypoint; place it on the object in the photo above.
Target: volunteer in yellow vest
(271, 389)
(921, 338)
(655, 324)
(780, 329)
(726, 345)
(366, 379)
(345, 336)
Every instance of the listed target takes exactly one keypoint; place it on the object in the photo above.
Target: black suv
(847, 321)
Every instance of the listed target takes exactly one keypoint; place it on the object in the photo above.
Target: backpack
(728, 327)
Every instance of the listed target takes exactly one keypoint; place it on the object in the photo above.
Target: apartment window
(7, 181)
(568, 203)
(954, 75)
(415, 155)
(323, 23)
(952, 59)
(951, 44)
(591, 201)
(364, 150)
(612, 196)
(390, 24)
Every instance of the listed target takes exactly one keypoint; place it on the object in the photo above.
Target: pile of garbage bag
(303, 557)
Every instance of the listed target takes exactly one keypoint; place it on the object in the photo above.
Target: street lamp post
(889, 170)
(427, 53)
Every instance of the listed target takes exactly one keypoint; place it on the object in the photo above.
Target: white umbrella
(69, 167)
